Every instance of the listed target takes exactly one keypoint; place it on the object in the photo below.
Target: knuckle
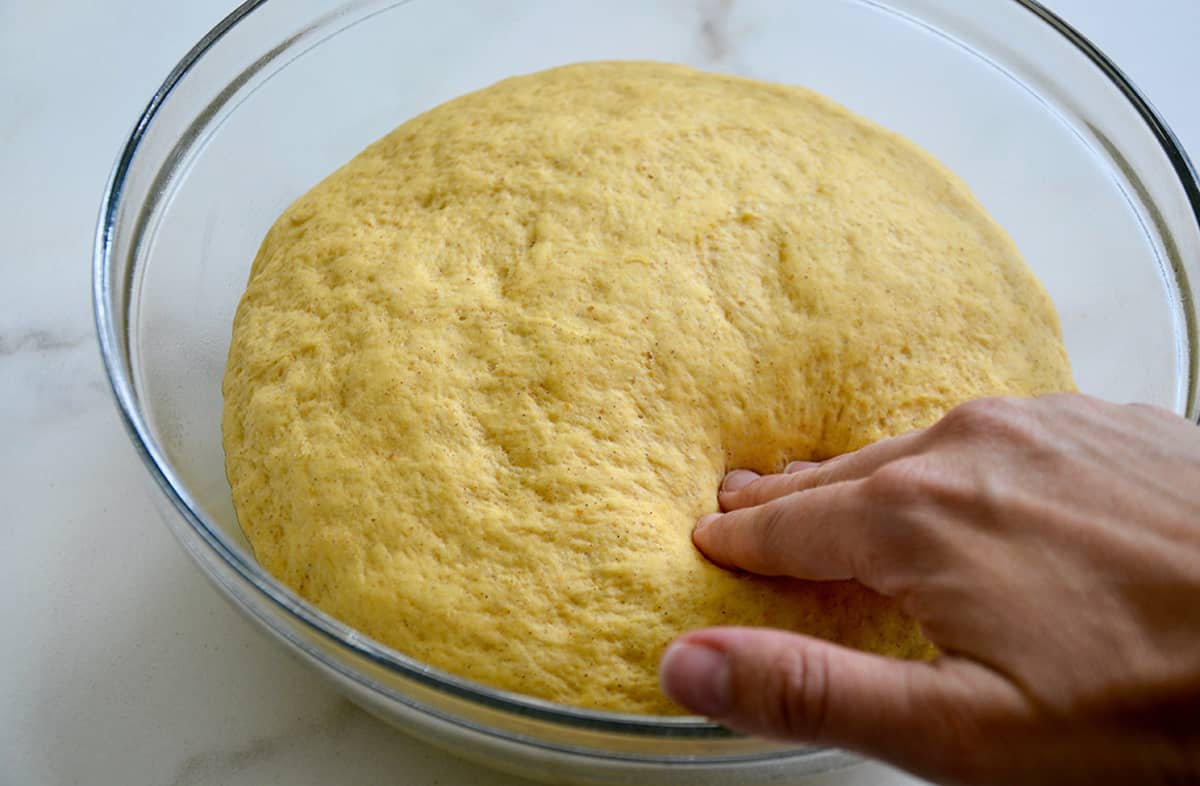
(771, 539)
(778, 486)
(996, 416)
(825, 472)
(1069, 400)
(801, 691)
(1151, 412)
(899, 483)
(764, 490)
(910, 501)
(741, 539)
(959, 729)
(876, 567)
(1072, 401)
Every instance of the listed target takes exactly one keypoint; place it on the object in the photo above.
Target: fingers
(743, 489)
(786, 686)
(818, 535)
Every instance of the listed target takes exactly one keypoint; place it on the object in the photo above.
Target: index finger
(819, 534)
(848, 466)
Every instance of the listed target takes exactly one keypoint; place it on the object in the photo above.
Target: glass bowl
(1057, 144)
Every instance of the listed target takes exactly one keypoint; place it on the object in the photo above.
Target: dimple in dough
(486, 376)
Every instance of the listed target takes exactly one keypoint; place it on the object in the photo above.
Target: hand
(1049, 547)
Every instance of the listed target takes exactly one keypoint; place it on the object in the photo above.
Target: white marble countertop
(118, 663)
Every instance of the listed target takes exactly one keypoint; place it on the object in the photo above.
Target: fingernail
(705, 521)
(738, 479)
(799, 466)
(696, 677)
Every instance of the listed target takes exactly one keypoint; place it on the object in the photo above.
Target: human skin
(1049, 547)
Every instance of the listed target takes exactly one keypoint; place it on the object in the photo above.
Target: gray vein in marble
(217, 766)
(39, 341)
(714, 28)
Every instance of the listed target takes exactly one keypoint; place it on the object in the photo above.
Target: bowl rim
(342, 636)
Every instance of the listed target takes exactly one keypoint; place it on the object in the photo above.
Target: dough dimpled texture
(486, 376)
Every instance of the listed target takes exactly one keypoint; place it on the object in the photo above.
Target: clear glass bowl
(1057, 144)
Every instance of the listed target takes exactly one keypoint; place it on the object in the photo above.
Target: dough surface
(486, 376)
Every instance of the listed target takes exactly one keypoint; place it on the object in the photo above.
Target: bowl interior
(1049, 143)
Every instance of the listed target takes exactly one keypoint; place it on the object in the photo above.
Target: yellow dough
(486, 376)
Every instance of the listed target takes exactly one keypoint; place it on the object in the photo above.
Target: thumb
(787, 686)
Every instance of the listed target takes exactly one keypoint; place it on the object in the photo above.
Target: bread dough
(486, 376)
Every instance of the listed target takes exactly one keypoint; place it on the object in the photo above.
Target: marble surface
(118, 663)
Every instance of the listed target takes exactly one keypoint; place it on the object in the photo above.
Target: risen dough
(486, 376)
